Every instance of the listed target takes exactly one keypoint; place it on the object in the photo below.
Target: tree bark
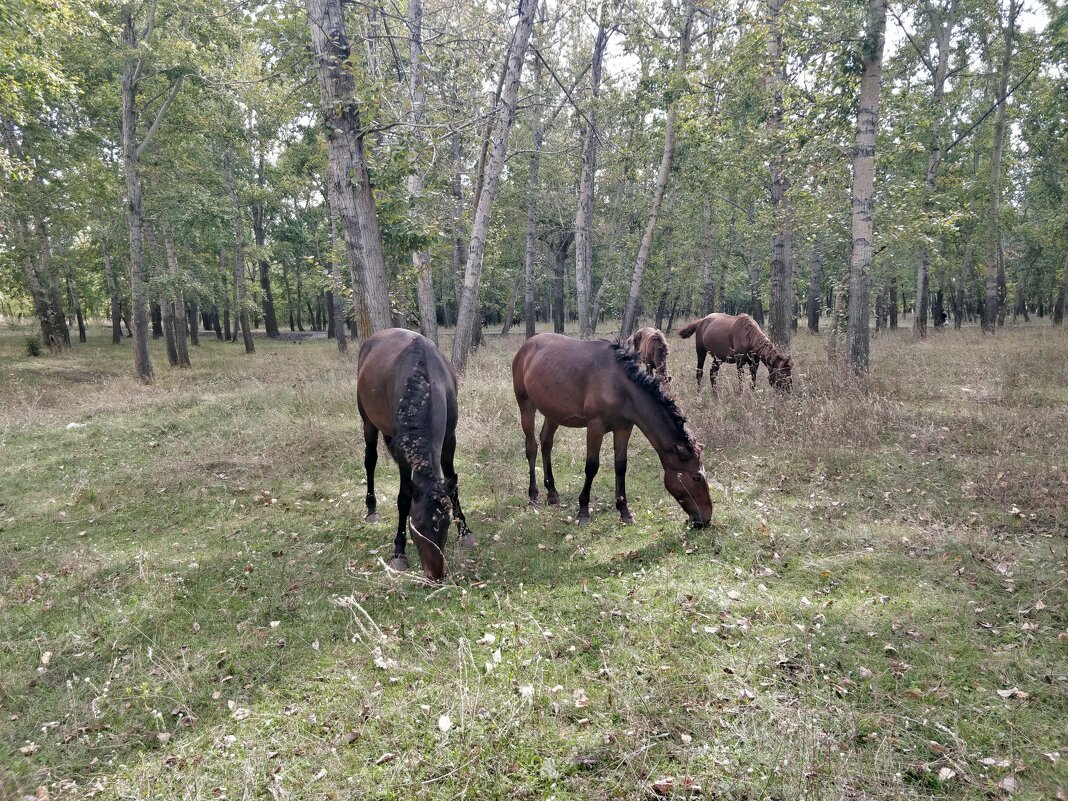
(812, 305)
(994, 270)
(240, 308)
(669, 270)
(586, 191)
(176, 301)
(709, 299)
(113, 292)
(935, 154)
(725, 264)
(863, 201)
(630, 314)
(754, 269)
(530, 257)
(424, 288)
(348, 183)
(782, 295)
(1062, 296)
(468, 316)
(560, 245)
(259, 231)
(337, 312)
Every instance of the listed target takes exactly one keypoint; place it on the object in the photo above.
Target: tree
(349, 185)
(863, 203)
(467, 316)
(782, 294)
(630, 314)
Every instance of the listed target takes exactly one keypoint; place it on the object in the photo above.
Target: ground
(191, 605)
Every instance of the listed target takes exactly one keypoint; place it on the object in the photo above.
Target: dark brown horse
(407, 390)
(737, 339)
(652, 347)
(601, 387)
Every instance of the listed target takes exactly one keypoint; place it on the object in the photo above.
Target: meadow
(191, 606)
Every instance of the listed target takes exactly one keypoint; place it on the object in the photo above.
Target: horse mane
(413, 420)
(763, 347)
(631, 364)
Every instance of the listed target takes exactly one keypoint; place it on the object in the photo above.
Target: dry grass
(871, 581)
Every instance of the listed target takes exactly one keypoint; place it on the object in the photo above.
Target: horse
(406, 390)
(652, 347)
(605, 390)
(739, 340)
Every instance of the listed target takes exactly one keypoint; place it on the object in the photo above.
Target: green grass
(192, 559)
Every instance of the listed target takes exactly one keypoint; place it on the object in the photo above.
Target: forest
(208, 208)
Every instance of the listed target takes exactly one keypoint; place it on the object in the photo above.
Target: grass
(192, 607)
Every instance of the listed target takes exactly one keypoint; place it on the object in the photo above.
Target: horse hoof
(372, 517)
(584, 518)
(626, 520)
(467, 540)
(399, 563)
(553, 499)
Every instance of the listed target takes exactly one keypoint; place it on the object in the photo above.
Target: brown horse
(407, 390)
(652, 347)
(601, 387)
(739, 340)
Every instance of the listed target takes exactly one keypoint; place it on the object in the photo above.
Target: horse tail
(687, 331)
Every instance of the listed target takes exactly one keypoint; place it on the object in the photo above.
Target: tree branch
(159, 115)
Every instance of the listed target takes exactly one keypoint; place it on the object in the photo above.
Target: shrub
(33, 345)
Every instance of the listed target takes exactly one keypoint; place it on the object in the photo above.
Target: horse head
(429, 522)
(780, 369)
(684, 478)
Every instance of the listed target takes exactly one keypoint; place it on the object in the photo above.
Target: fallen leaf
(945, 774)
(734, 595)
(46, 657)
(1010, 784)
(389, 756)
(444, 723)
(664, 786)
(1014, 692)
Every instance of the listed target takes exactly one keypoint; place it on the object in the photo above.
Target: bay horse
(406, 390)
(652, 347)
(605, 390)
(737, 339)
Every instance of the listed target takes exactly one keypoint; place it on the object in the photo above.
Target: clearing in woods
(192, 607)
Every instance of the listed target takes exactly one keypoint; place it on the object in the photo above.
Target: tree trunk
(595, 312)
(530, 257)
(993, 303)
(348, 183)
(630, 314)
(259, 231)
(1062, 297)
(781, 242)
(754, 268)
(134, 214)
(586, 191)
(176, 301)
(240, 308)
(424, 288)
(194, 323)
(669, 268)
(337, 312)
(725, 264)
(863, 200)
(113, 293)
(225, 296)
(468, 316)
(709, 300)
(812, 304)
(509, 318)
(75, 305)
(561, 244)
(892, 305)
(943, 33)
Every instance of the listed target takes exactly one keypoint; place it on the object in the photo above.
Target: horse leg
(621, 438)
(448, 452)
(594, 436)
(526, 420)
(713, 371)
(754, 365)
(404, 507)
(701, 354)
(370, 460)
(548, 431)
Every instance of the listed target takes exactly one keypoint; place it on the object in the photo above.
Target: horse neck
(654, 421)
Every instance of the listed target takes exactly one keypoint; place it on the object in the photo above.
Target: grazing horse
(600, 386)
(407, 390)
(739, 340)
(651, 345)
